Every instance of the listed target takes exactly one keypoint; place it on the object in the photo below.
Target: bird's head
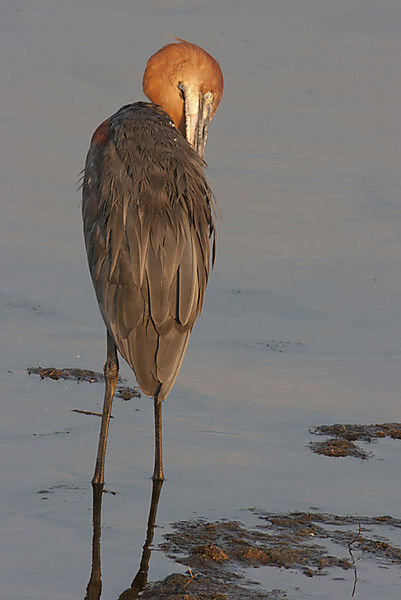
(188, 84)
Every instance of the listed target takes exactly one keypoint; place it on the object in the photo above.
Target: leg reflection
(141, 577)
(94, 587)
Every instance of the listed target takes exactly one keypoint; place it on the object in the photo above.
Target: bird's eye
(208, 97)
(181, 88)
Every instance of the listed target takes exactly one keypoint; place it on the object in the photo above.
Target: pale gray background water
(304, 159)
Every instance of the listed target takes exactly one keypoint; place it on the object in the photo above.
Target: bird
(149, 225)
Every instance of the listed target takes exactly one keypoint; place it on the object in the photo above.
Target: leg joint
(110, 369)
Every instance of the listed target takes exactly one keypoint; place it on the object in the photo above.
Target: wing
(148, 224)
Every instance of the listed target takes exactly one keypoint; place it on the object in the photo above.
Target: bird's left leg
(158, 470)
(110, 376)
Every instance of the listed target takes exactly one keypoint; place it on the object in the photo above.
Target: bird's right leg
(158, 470)
(110, 377)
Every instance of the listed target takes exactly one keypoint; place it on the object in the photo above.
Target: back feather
(148, 224)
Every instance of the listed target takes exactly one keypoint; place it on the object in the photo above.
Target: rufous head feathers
(184, 79)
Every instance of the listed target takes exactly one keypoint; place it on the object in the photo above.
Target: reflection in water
(94, 587)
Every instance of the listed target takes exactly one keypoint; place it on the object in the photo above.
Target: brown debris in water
(126, 393)
(88, 412)
(287, 545)
(338, 447)
(320, 525)
(200, 586)
(343, 444)
(360, 432)
(78, 375)
(217, 552)
(210, 552)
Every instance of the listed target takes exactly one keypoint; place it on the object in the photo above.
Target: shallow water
(302, 322)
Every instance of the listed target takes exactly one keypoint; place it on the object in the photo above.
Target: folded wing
(148, 224)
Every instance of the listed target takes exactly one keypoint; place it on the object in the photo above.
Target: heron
(148, 216)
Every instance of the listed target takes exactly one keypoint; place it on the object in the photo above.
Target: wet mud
(81, 375)
(218, 553)
(198, 586)
(343, 444)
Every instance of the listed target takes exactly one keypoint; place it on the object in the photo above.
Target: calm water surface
(302, 322)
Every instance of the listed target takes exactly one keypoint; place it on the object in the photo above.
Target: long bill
(197, 119)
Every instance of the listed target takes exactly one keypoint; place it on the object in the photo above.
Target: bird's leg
(110, 377)
(158, 470)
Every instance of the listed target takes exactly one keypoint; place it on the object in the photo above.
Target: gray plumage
(149, 234)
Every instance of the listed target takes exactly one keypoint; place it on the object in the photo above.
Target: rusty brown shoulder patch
(101, 134)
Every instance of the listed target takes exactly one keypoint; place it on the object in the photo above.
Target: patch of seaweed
(79, 375)
(345, 436)
(217, 551)
(288, 544)
(199, 586)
